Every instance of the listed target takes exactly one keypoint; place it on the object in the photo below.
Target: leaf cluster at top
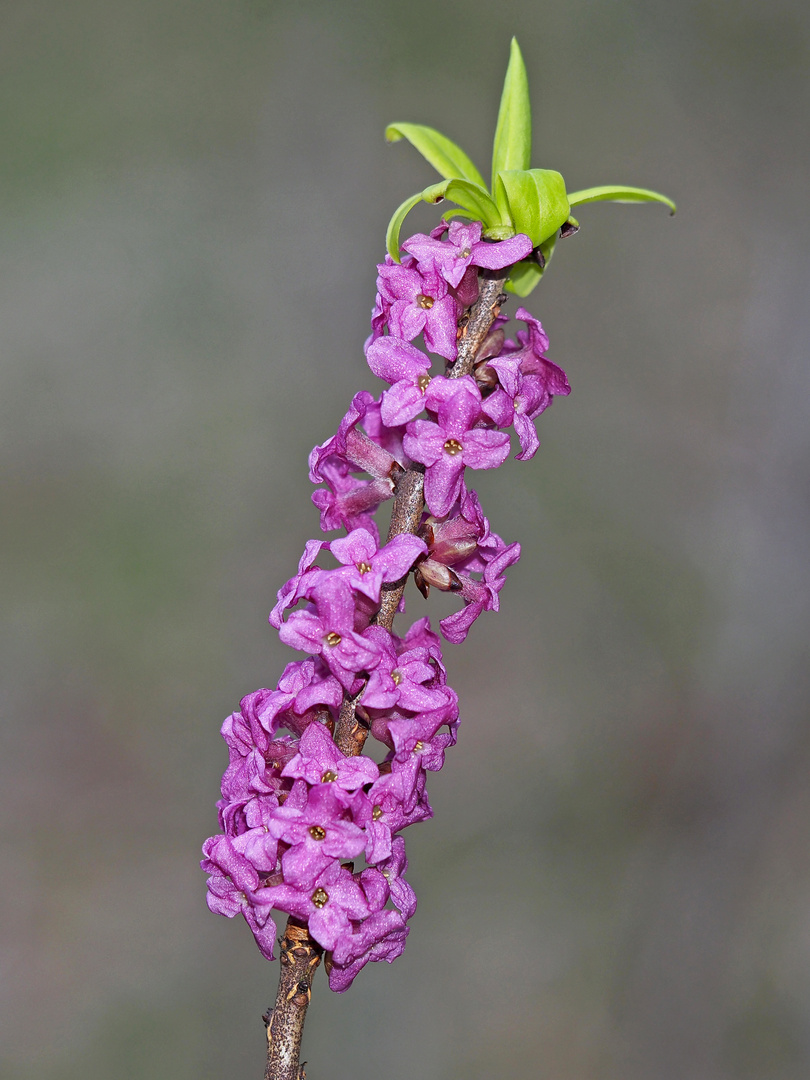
(520, 199)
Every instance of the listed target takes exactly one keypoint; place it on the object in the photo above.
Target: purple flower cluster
(297, 815)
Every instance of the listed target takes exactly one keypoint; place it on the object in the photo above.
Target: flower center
(422, 382)
(317, 832)
(453, 447)
(465, 253)
(377, 813)
(397, 677)
(319, 897)
(425, 302)
(332, 638)
(328, 777)
(364, 567)
(418, 745)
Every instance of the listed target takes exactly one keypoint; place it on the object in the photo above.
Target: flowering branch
(301, 803)
(300, 954)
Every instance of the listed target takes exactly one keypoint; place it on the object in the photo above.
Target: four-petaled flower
(328, 903)
(314, 822)
(327, 629)
(419, 302)
(453, 441)
(408, 369)
(464, 247)
(367, 566)
(319, 761)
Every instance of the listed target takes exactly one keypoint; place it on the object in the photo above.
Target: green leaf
(524, 276)
(538, 205)
(513, 133)
(474, 199)
(447, 159)
(458, 212)
(402, 211)
(502, 200)
(617, 193)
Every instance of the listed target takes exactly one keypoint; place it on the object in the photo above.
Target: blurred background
(616, 885)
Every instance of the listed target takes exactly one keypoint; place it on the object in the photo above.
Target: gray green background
(193, 197)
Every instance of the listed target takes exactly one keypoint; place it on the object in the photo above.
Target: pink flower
(464, 247)
(327, 629)
(419, 302)
(367, 565)
(329, 903)
(315, 822)
(453, 442)
(319, 761)
(403, 365)
(379, 937)
(234, 887)
(399, 679)
(528, 383)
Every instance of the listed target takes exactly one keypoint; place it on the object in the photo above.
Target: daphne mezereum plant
(311, 826)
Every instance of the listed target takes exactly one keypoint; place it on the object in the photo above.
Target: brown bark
(480, 318)
(300, 956)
